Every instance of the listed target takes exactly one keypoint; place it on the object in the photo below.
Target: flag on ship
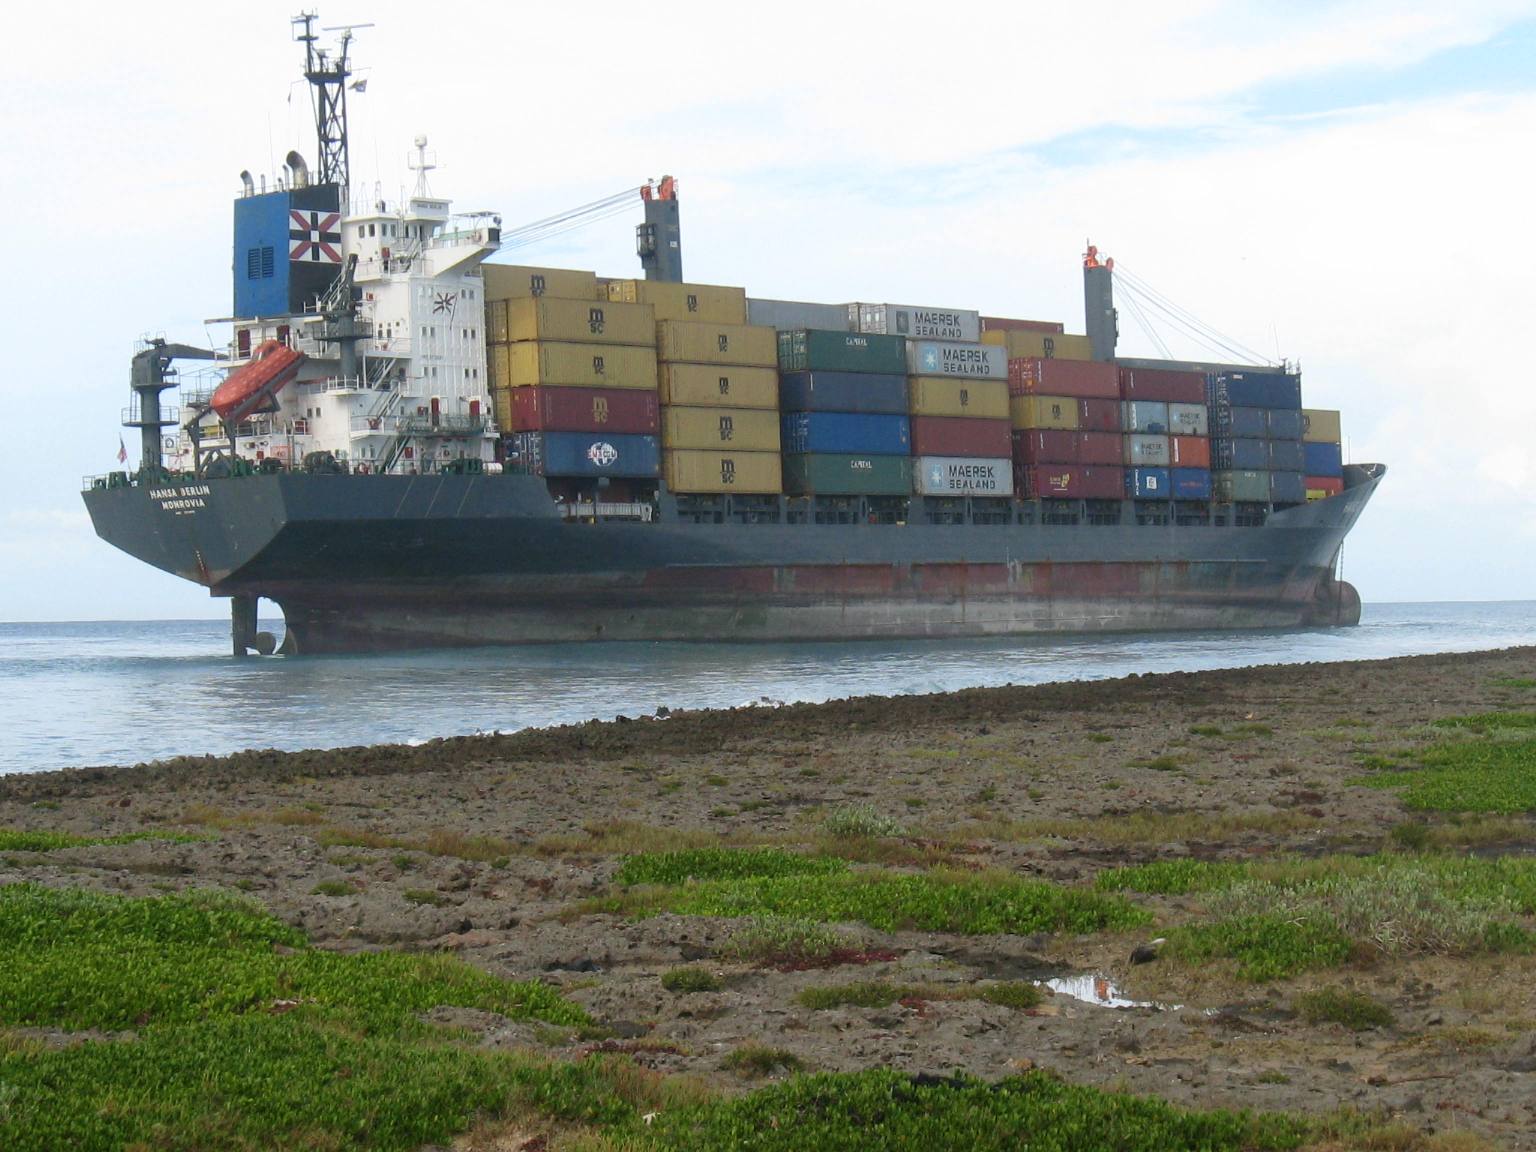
(122, 451)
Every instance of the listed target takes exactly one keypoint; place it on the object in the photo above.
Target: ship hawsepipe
(380, 563)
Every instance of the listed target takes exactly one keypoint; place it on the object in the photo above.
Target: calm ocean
(119, 693)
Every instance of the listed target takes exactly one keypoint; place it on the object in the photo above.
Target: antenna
(421, 166)
(328, 83)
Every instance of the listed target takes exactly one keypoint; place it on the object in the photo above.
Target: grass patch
(427, 897)
(761, 1060)
(1172, 877)
(485, 849)
(860, 820)
(675, 868)
(1265, 947)
(1160, 764)
(1353, 1010)
(1524, 682)
(686, 980)
(783, 941)
(1490, 768)
(332, 888)
(1142, 827)
(21, 840)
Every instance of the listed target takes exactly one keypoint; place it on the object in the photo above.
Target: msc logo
(595, 321)
(600, 409)
(693, 302)
(536, 284)
(1050, 348)
(602, 454)
(724, 342)
(1056, 412)
(599, 366)
(965, 397)
(727, 471)
(725, 385)
(727, 427)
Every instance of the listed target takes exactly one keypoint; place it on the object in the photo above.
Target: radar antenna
(327, 76)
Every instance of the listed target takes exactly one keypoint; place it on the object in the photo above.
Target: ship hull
(386, 563)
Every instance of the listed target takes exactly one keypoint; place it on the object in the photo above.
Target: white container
(949, 358)
(791, 314)
(1189, 419)
(1146, 451)
(915, 321)
(962, 476)
(1144, 416)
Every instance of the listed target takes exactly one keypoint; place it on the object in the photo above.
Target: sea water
(112, 693)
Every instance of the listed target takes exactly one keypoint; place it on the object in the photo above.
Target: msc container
(842, 474)
(1255, 389)
(1250, 423)
(580, 321)
(1144, 451)
(946, 358)
(718, 385)
(582, 454)
(946, 396)
(1189, 452)
(516, 281)
(1322, 459)
(1321, 426)
(1190, 483)
(1008, 324)
(532, 362)
(1322, 487)
(1098, 415)
(1051, 446)
(1244, 455)
(812, 349)
(960, 436)
(1241, 487)
(1286, 456)
(741, 429)
(962, 476)
(1030, 376)
(1043, 412)
(797, 314)
(842, 392)
(707, 303)
(1189, 419)
(845, 432)
(1040, 345)
(1171, 387)
(1144, 416)
(1147, 484)
(750, 473)
(707, 343)
(541, 409)
(1069, 482)
(916, 322)
(1287, 488)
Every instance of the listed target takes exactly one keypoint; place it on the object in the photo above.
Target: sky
(1345, 185)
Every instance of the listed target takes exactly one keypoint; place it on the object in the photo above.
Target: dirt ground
(1056, 781)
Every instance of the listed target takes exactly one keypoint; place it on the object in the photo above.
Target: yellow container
(1317, 494)
(495, 321)
(754, 473)
(581, 365)
(519, 281)
(1321, 426)
(947, 396)
(708, 303)
(740, 429)
(580, 321)
(719, 386)
(1043, 412)
(1041, 345)
(703, 343)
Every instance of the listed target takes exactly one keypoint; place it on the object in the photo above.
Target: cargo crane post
(1100, 319)
(151, 375)
(659, 241)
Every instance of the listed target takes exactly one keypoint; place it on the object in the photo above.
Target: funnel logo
(314, 236)
(603, 454)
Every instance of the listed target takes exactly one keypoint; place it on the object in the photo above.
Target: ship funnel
(294, 163)
(247, 183)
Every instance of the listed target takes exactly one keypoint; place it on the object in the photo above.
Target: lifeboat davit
(273, 365)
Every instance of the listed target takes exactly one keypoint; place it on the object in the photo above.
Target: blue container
(1249, 423)
(846, 433)
(1239, 455)
(1323, 459)
(1287, 488)
(1254, 389)
(842, 392)
(583, 454)
(1190, 483)
(1147, 483)
(1286, 456)
(1285, 424)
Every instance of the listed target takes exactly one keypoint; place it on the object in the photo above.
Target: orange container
(1190, 452)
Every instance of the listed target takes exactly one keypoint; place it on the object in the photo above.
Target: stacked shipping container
(1167, 427)
(1256, 451)
(957, 397)
(1323, 452)
(1066, 421)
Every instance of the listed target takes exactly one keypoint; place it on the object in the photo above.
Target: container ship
(409, 444)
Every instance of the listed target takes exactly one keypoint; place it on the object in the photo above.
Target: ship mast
(328, 81)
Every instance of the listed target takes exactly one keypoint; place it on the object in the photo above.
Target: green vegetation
(787, 942)
(685, 980)
(701, 864)
(20, 840)
(1353, 1010)
(1489, 767)
(1265, 947)
(861, 820)
(332, 888)
(1513, 682)
(876, 994)
(761, 1060)
(426, 897)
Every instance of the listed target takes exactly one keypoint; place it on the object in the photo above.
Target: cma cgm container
(788, 314)
(916, 322)
(612, 410)
(741, 429)
(718, 385)
(960, 436)
(843, 392)
(946, 396)
(846, 432)
(847, 474)
(749, 473)
(1323, 459)
(1321, 426)
(945, 358)
(1147, 484)
(812, 349)
(1287, 488)
(1144, 451)
(1286, 456)
(1255, 389)
(1189, 419)
(582, 454)
(1069, 482)
(1144, 416)
(1190, 483)
(1162, 384)
(1090, 379)
(962, 476)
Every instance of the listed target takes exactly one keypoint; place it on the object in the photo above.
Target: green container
(829, 474)
(819, 350)
(1242, 487)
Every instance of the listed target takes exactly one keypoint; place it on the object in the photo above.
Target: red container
(1068, 482)
(1047, 446)
(1332, 485)
(1189, 452)
(1098, 415)
(1099, 448)
(1161, 384)
(961, 436)
(617, 410)
(1007, 324)
(1029, 376)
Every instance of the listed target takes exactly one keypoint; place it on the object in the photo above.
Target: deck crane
(658, 239)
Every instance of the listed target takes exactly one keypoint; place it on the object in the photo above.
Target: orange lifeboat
(273, 365)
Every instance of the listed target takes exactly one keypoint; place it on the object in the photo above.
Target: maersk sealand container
(845, 432)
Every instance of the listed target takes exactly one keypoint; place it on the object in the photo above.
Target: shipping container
(1322, 459)
(747, 473)
(531, 362)
(946, 396)
(962, 476)
(582, 454)
(580, 321)
(1082, 378)
(1189, 419)
(518, 281)
(1190, 483)
(496, 322)
(1144, 416)
(684, 341)
(1171, 387)
(1322, 487)
(960, 436)
(706, 303)
(1069, 482)
(846, 432)
(1096, 414)
(1147, 484)
(1285, 423)
(1321, 426)
(1009, 324)
(1144, 451)
(916, 322)
(1254, 389)
(1052, 446)
(1286, 456)
(789, 314)
(1247, 486)
(1244, 423)
(1099, 448)
(812, 350)
(718, 386)
(842, 392)
(1189, 452)
(1041, 345)
(840, 474)
(1287, 488)
(1242, 455)
(740, 429)
(543, 409)
(947, 358)
(1043, 412)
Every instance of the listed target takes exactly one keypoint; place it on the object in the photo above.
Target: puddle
(1100, 990)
